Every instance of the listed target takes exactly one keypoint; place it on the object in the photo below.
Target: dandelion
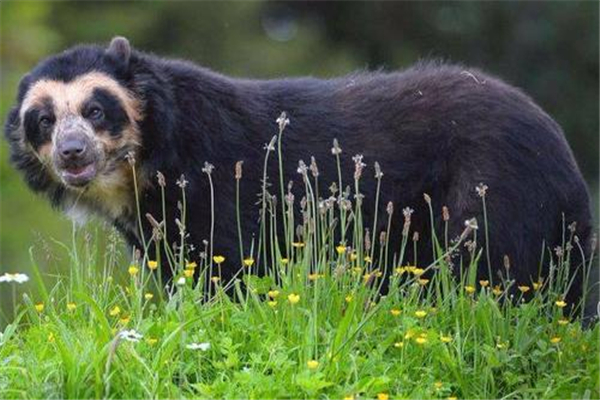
(181, 281)
(399, 345)
(383, 396)
(395, 312)
(293, 298)
(39, 307)
(284, 261)
(312, 364)
(563, 321)
(130, 335)
(152, 264)
(497, 290)
(116, 310)
(148, 296)
(272, 303)
(560, 303)
(341, 249)
(191, 265)
(133, 270)
(71, 306)
(152, 341)
(248, 262)
(218, 259)
(484, 283)
(348, 298)
(18, 278)
(423, 282)
(198, 346)
(524, 288)
(555, 340)
(470, 289)
(188, 273)
(420, 314)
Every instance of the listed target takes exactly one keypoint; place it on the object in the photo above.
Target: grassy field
(316, 325)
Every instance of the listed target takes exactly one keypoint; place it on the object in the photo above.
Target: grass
(315, 324)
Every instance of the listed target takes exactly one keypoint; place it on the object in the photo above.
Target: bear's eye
(45, 121)
(95, 113)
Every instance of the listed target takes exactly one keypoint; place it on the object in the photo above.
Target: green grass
(316, 325)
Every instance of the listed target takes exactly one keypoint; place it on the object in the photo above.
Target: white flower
(198, 346)
(130, 335)
(181, 281)
(19, 278)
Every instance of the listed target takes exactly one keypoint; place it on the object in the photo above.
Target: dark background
(549, 49)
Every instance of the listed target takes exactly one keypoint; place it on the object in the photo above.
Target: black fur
(434, 128)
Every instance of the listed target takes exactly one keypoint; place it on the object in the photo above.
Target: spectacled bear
(434, 128)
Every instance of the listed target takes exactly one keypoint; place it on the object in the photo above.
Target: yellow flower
(349, 397)
(452, 398)
(148, 296)
(151, 341)
(395, 312)
(497, 290)
(271, 303)
(273, 293)
(116, 310)
(563, 321)
(285, 261)
(51, 337)
(399, 345)
(191, 265)
(524, 288)
(348, 298)
(314, 277)
(312, 364)
(409, 334)
(215, 279)
(421, 340)
(71, 306)
(537, 285)
(484, 283)
(383, 396)
(353, 256)
(188, 273)
(248, 262)
(420, 314)
(445, 339)
(133, 270)
(368, 259)
(423, 282)
(293, 298)
(438, 385)
(124, 319)
(298, 244)
(418, 271)
(152, 264)
(470, 289)
(341, 249)
(39, 307)
(561, 303)
(555, 340)
(410, 268)
(219, 259)
(399, 270)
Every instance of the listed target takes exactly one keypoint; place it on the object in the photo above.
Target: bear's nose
(71, 149)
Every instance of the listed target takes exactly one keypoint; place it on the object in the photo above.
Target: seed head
(481, 190)
(445, 213)
(359, 165)
(314, 169)
(181, 182)
(282, 121)
(378, 173)
(336, 149)
(238, 170)
(161, 179)
(208, 168)
(427, 198)
(390, 208)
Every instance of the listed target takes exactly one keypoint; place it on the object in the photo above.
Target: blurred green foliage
(549, 49)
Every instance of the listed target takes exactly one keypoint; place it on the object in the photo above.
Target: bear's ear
(120, 50)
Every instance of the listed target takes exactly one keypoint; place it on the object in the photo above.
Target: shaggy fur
(434, 128)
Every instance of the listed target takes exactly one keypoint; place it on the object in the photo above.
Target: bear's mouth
(79, 175)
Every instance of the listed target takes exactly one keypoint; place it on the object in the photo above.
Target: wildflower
(348, 298)
(341, 249)
(418, 271)
(561, 303)
(248, 262)
(368, 259)
(294, 298)
(420, 314)
(215, 279)
(39, 307)
(130, 335)
(188, 273)
(421, 340)
(219, 259)
(409, 334)
(400, 270)
(399, 345)
(555, 339)
(272, 303)
(198, 346)
(452, 398)
(151, 341)
(349, 397)
(133, 270)
(71, 306)
(524, 288)
(497, 290)
(410, 268)
(481, 189)
(353, 256)
(19, 278)
(383, 396)
(148, 296)
(312, 364)
(191, 265)
(470, 289)
(563, 321)
(395, 312)
(181, 281)
(152, 264)
(116, 310)
(284, 261)
(537, 285)
(445, 339)
(298, 244)
(423, 282)
(484, 283)
(124, 319)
